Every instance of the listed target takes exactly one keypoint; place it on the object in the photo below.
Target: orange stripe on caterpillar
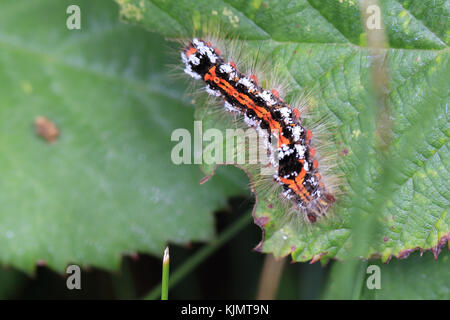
(297, 170)
(246, 101)
(191, 51)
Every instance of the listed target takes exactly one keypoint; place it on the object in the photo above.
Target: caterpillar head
(199, 56)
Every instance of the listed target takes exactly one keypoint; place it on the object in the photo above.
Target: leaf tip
(166, 258)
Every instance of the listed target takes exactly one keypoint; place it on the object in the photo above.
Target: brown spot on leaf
(261, 221)
(317, 257)
(45, 128)
(442, 242)
(405, 253)
(41, 263)
(134, 256)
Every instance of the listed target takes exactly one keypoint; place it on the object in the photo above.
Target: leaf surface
(107, 185)
(323, 44)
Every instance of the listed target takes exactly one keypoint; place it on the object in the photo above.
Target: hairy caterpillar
(297, 170)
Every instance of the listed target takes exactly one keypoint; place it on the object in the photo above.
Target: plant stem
(203, 253)
(359, 281)
(165, 275)
(270, 278)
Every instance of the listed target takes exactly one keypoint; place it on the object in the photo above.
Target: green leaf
(417, 278)
(107, 185)
(402, 196)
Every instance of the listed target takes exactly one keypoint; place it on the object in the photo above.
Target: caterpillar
(297, 170)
